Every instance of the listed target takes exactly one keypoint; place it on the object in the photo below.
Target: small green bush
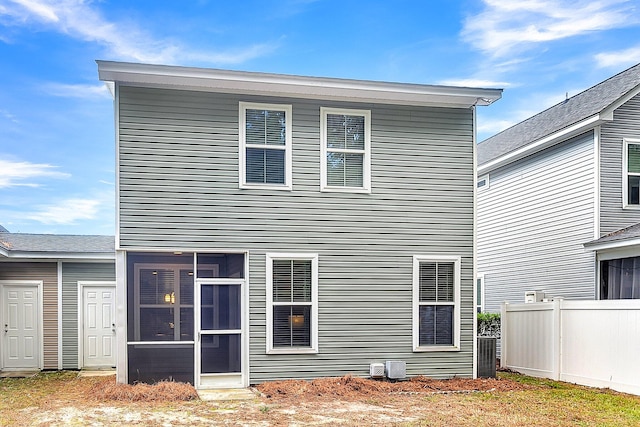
(489, 325)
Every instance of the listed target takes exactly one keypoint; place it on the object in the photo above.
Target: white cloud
(491, 127)
(15, 174)
(475, 83)
(617, 58)
(66, 212)
(7, 115)
(85, 91)
(506, 26)
(81, 20)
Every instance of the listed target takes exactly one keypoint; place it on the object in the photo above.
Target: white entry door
(21, 327)
(98, 325)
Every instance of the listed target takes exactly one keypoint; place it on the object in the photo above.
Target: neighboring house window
(631, 163)
(292, 303)
(436, 296)
(480, 293)
(620, 278)
(345, 163)
(483, 182)
(265, 146)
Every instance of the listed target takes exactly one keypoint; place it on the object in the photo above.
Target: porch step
(222, 394)
(96, 372)
(18, 374)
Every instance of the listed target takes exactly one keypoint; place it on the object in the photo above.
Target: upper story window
(265, 146)
(345, 137)
(436, 303)
(631, 179)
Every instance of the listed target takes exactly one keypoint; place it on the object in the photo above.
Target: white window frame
(270, 257)
(456, 260)
(480, 302)
(486, 180)
(288, 156)
(625, 172)
(366, 161)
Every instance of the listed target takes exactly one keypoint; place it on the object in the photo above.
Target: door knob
(6, 328)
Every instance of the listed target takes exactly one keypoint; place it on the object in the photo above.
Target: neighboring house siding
(47, 273)
(72, 273)
(532, 222)
(179, 189)
(625, 124)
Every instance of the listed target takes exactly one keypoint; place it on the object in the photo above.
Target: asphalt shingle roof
(632, 232)
(573, 110)
(61, 243)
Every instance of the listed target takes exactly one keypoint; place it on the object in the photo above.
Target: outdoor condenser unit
(376, 370)
(396, 369)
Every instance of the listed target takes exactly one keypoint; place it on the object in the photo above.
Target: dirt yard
(64, 399)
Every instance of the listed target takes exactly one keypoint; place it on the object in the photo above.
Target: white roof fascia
(252, 83)
(611, 244)
(63, 255)
(546, 142)
(4, 252)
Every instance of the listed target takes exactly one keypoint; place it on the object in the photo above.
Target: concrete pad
(18, 374)
(222, 394)
(96, 373)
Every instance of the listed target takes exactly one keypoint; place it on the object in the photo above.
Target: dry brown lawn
(62, 398)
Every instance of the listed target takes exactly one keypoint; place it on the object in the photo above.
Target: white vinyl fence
(593, 343)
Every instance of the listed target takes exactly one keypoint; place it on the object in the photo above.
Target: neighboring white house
(274, 226)
(559, 200)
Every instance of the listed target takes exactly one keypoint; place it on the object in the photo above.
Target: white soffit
(251, 83)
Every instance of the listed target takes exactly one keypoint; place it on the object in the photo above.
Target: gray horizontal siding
(625, 124)
(532, 222)
(72, 273)
(178, 166)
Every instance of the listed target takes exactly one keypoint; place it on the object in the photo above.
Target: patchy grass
(61, 398)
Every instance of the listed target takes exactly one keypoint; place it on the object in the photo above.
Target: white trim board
(321, 88)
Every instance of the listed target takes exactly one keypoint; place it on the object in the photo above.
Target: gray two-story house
(559, 200)
(274, 226)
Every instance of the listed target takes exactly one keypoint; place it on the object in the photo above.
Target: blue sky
(56, 118)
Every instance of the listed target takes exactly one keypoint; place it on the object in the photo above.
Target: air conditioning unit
(533, 296)
(376, 370)
(396, 369)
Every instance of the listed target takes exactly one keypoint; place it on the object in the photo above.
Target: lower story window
(620, 278)
(436, 302)
(292, 289)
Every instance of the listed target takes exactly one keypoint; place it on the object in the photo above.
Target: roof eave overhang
(612, 244)
(265, 84)
(546, 142)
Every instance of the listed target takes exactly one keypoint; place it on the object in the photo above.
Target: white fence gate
(594, 343)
